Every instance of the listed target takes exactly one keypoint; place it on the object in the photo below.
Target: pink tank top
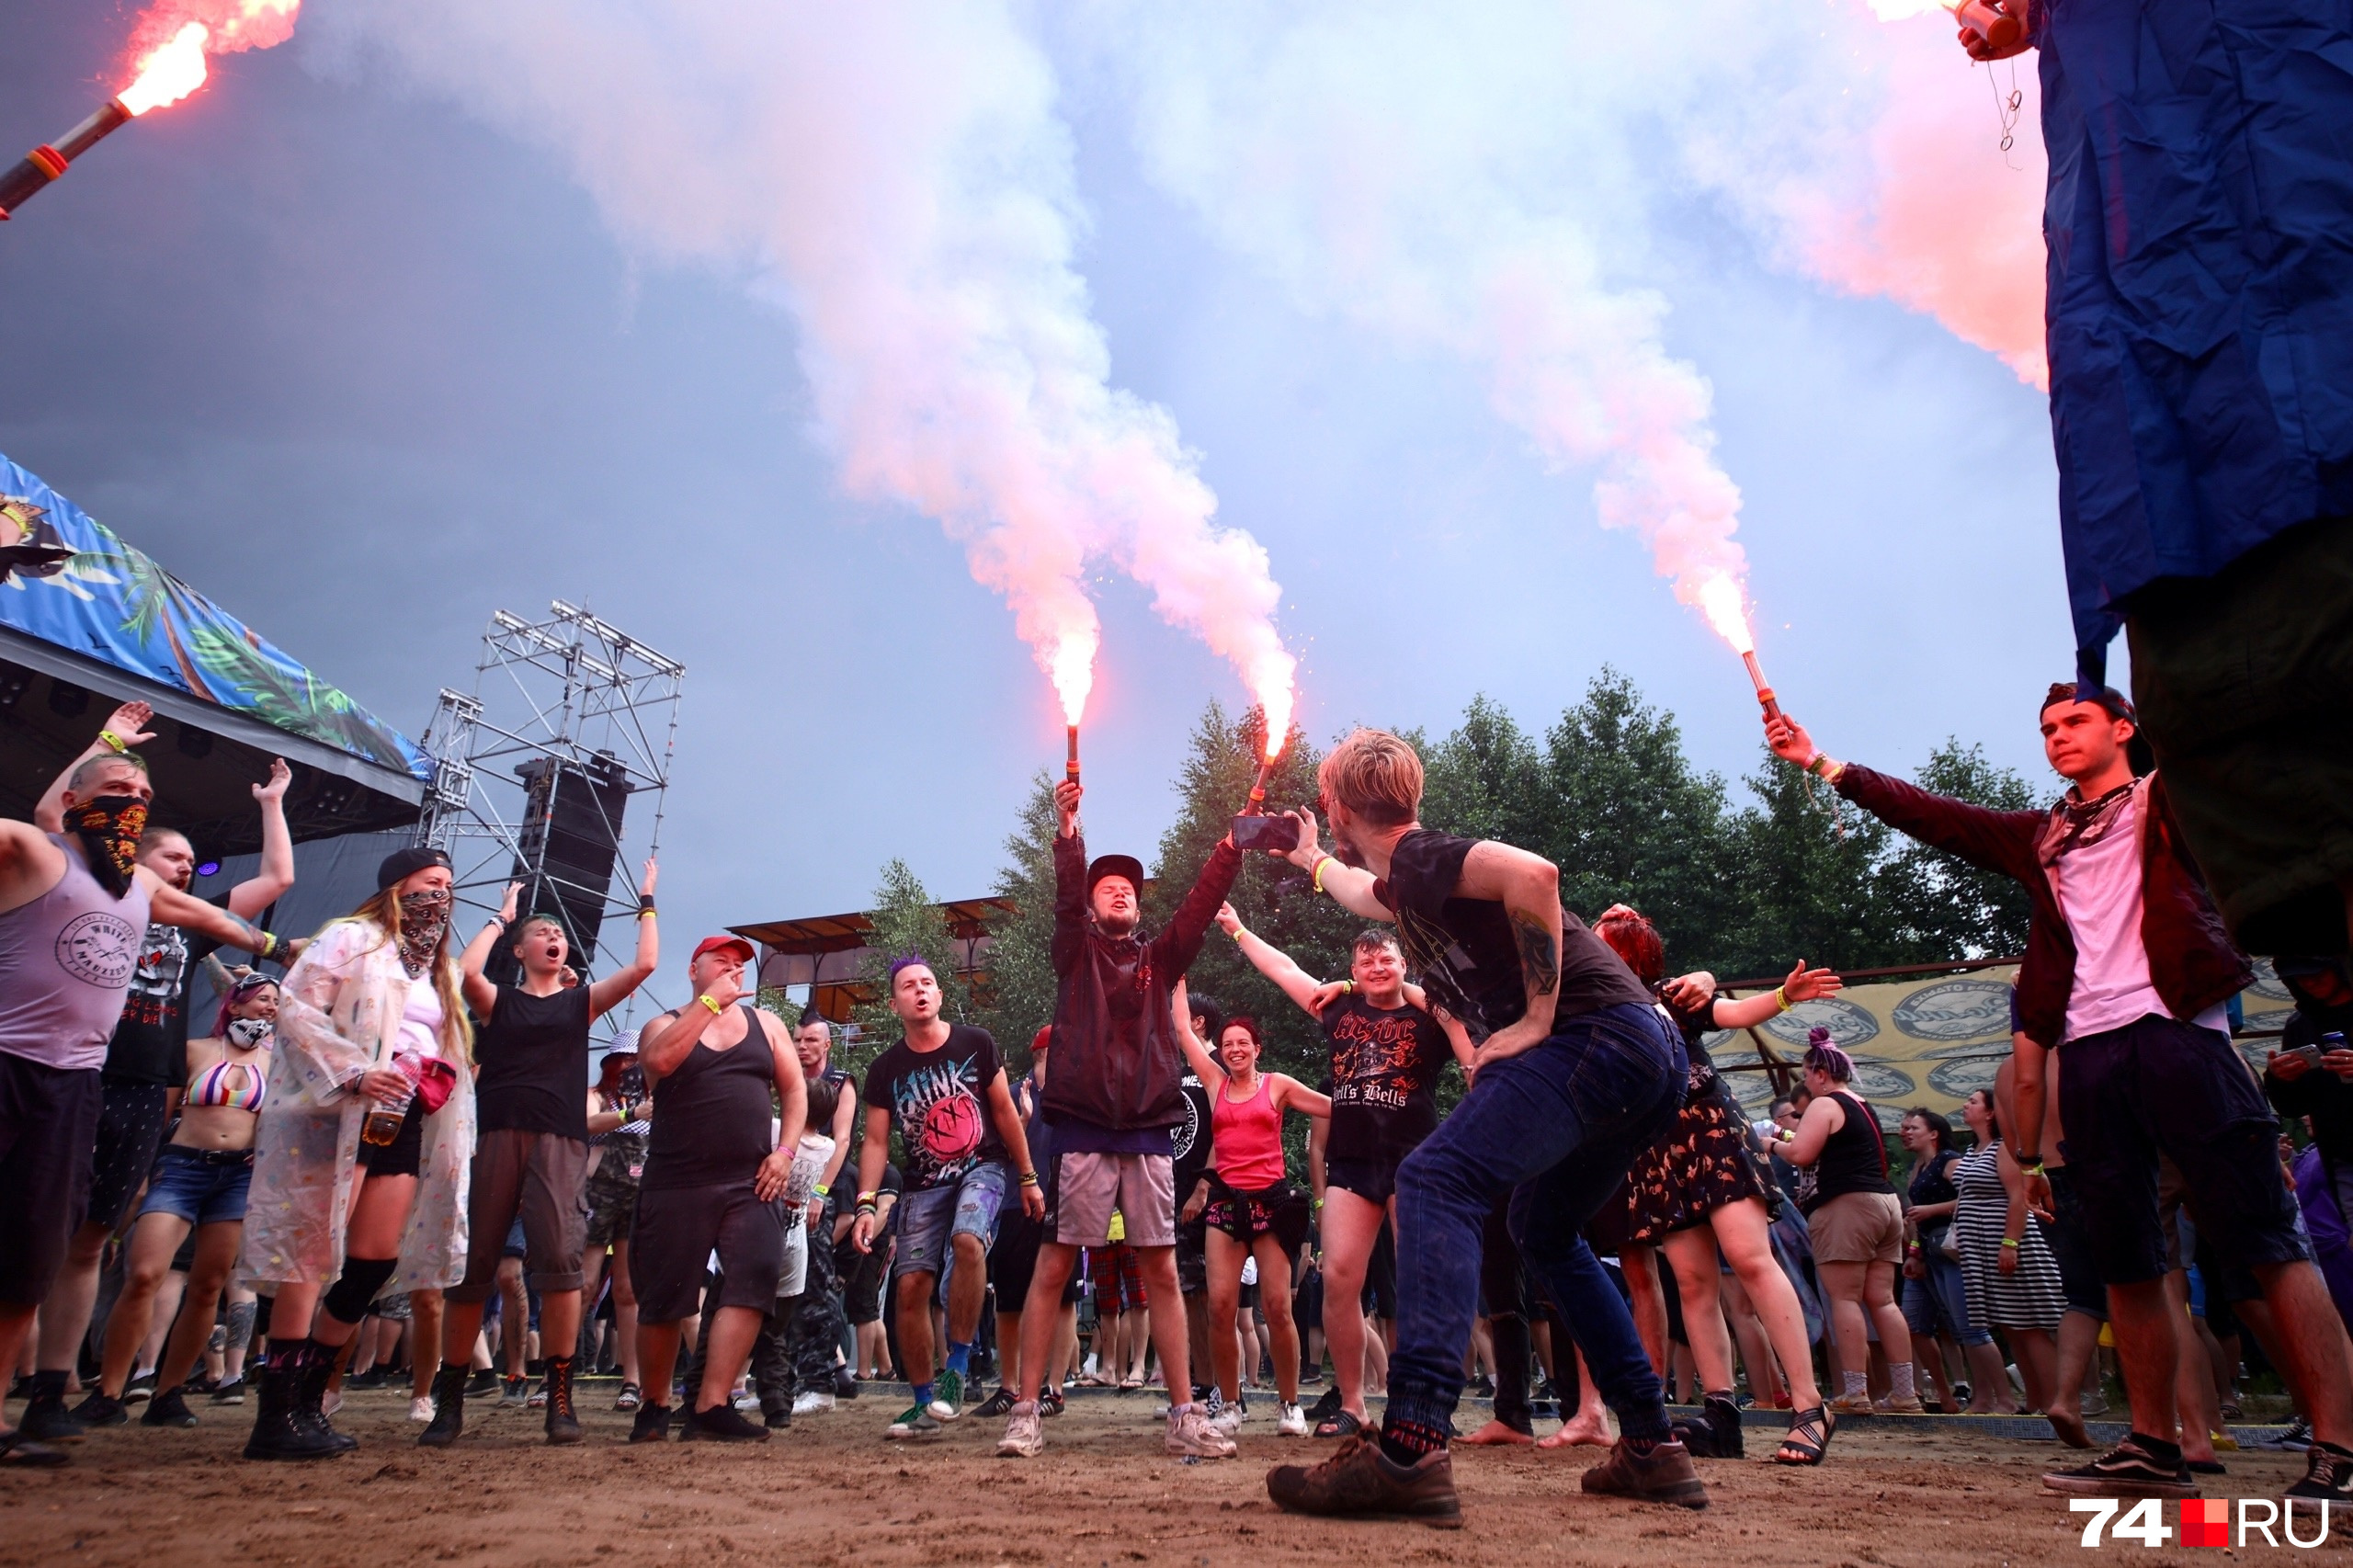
(1249, 1136)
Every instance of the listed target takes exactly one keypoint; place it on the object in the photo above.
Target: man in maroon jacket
(2126, 974)
(1113, 1090)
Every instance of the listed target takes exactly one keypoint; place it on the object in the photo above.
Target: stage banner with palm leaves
(109, 601)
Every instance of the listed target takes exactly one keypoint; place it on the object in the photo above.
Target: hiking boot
(168, 1408)
(277, 1433)
(2328, 1477)
(313, 1369)
(1359, 1479)
(2128, 1470)
(998, 1404)
(101, 1410)
(1025, 1434)
(448, 1410)
(652, 1426)
(915, 1421)
(812, 1401)
(46, 1419)
(1716, 1435)
(722, 1423)
(1662, 1475)
(1190, 1436)
(564, 1421)
(948, 1396)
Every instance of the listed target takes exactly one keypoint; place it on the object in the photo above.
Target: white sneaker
(812, 1404)
(747, 1398)
(1024, 1434)
(1190, 1436)
(421, 1408)
(1228, 1420)
(1293, 1423)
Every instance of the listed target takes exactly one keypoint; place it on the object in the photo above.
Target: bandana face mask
(110, 828)
(424, 917)
(251, 1033)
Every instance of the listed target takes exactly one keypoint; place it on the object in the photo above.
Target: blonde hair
(1375, 775)
(383, 912)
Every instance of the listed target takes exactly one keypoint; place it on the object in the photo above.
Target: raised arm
(1204, 1062)
(609, 993)
(1070, 881)
(1458, 1039)
(1292, 1094)
(268, 884)
(125, 729)
(1991, 840)
(166, 905)
(479, 993)
(1351, 887)
(1180, 945)
(1804, 985)
(1528, 887)
(1271, 962)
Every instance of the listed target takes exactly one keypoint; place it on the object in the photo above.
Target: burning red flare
(1726, 607)
(170, 73)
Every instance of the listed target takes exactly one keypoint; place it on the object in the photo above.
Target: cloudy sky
(425, 314)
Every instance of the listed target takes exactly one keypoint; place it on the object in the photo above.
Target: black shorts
(2158, 1086)
(1013, 1259)
(1375, 1181)
(1381, 1273)
(2071, 1248)
(862, 1275)
(677, 1229)
(131, 1129)
(399, 1157)
(49, 1120)
(1307, 1301)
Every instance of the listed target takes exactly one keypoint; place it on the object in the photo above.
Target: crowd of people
(386, 1158)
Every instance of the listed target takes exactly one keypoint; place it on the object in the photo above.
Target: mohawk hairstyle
(907, 961)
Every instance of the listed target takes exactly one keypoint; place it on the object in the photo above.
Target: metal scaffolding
(566, 710)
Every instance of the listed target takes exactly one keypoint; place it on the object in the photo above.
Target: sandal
(16, 1449)
(1808, 1437)
(629, 1398)
(1341, 1425)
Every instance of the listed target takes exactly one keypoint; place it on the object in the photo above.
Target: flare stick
(1070, 769)
(47, 162)
(1763, 692)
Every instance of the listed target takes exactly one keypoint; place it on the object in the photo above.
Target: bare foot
(1589, 1433)
(1497, 1433)
(2070, 1427)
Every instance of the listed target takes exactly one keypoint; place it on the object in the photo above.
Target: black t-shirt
(1190, 1140)
(150, 1044)
(937, 1099)
(1464, 951)
(534, 1057)
(1932, 1183)
(1385, 1065)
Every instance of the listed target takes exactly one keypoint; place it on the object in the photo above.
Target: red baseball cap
(717, 944)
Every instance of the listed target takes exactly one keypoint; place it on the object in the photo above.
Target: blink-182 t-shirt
(938, 1101)
(1384, 1078)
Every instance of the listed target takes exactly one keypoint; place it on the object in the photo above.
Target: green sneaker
(947, 1397)
(915, 1421)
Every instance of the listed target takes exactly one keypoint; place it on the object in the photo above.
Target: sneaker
(812, 1402)
(98, 1410)
(845, 1384)
(744, 1400)
(1292, 1423)
(1663, 1475)
(1227, 1420)
(2127, 1469)
(1190, 1436)
(513, 1392)
(1359, 1479)
(629, 1398)
(1326, 1405)
(915, 1421)
(1025, 1436)
(722, 1423)
(777, 1420)
(373, 1378)
(168, 1408)
(420, 1409)
(652, 1426)
(483, 1385)
(1960, 1395)
(139, 1389)
(2328, 1477)
(1050, 1403)
(947, 1397)
(232, 1392)
(2298, 1435)
(46, 1419)
(998, 1404)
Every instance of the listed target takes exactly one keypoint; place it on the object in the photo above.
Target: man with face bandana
(73, 906)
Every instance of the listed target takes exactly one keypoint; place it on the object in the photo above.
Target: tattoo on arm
(1540, 956)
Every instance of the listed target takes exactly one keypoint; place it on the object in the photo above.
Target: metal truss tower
(570, 719)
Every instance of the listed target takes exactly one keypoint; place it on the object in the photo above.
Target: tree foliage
(905, 921)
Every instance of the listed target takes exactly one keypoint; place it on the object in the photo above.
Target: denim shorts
(1939, 1303)
(931, 1219)
(203, 1186)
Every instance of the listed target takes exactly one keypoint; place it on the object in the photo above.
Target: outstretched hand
(645, 883)
(280, 775)
(129, 721)
(1227, 921)
(1808, 985)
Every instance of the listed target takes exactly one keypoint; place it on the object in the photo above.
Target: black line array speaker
(570, 839)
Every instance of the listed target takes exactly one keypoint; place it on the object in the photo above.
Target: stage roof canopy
(109, 624)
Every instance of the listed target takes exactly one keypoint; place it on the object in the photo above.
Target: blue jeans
(1556, 1127)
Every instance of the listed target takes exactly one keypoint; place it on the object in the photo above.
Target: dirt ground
(831, 1492)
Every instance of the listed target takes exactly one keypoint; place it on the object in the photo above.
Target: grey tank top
(66, 960)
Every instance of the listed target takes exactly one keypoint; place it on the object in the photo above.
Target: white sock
(1859, 1385)
(1898, 1379)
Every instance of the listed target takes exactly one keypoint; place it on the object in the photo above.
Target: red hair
(1635, 940)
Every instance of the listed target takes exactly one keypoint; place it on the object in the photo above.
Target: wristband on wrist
(867, 1207)
(820, 1190)
(1781, 997)
(645, 912)
(113, 742)
(716, 1008)
(1347, 988)
(1028, 1178)
(1317, 877)
(2010, 1241)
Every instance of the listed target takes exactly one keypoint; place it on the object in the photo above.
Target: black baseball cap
(403, 864)
(1126, 866)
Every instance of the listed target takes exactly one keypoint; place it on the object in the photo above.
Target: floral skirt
(1705, 1162)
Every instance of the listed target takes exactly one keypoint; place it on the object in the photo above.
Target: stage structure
(570, 719)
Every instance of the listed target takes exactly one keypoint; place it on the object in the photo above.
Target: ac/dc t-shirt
(937, 1099)
(1466, 953)
(1385, 1064)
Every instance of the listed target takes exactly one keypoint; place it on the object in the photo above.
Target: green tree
(1942, 907)
(1805, 869)
(1486, 780)
(905, 921)
(1021, 969)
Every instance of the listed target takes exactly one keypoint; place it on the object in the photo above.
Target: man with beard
(72, 907)
(1111, 1094)
(140, 1085)
(1575, 1073)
